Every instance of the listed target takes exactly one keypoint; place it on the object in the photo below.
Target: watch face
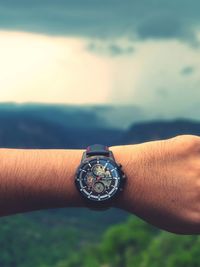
(99, 178)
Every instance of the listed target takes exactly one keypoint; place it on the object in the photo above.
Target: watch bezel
(116, 165)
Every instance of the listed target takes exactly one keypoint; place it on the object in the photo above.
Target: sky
(144, 53)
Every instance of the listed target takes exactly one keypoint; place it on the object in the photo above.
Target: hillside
(155, 130)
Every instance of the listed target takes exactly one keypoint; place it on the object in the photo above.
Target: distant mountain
(155, 130)
(60, 126)
(53, 126)
(112, 116)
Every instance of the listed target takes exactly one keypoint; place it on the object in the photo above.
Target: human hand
(163, 182)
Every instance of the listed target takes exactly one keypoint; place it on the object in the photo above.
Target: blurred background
(77, 72)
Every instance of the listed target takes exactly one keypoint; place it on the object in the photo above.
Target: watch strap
(97, 149)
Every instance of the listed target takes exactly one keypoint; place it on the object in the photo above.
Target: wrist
(99, 178)
(66, 166)
(130, 158)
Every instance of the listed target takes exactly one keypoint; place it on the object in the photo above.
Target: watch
(99, 178)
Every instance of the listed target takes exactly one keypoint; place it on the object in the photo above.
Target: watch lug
(111, 155)
(119, 165)
(83, 156)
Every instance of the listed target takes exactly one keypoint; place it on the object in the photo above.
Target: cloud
(187, 70)
(112, 49)
(104, 19)
(160, 27)
(165, 27)
(40, 68)
(151, 79)
(140, 53)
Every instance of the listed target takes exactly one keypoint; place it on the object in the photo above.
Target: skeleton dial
(98, 179)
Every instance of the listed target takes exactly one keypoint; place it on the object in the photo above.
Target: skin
(163, 181)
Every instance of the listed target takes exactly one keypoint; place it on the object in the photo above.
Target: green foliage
(170, 250)
(123, 241)
(25, 242)
(137, 244)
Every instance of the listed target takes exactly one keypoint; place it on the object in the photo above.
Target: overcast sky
(139, 52)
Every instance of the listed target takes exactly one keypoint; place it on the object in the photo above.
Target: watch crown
(124, 176)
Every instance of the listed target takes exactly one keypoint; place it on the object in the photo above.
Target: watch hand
(98, 178)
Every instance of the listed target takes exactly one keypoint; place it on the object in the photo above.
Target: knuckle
(191, 214)
(194, 218)
(191, 220)
(194, 145)
(192, 170)
(188, 143)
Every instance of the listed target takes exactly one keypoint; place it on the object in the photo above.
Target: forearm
(37, 179)
(32, 179)
(162, 187)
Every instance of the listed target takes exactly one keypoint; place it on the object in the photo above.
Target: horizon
(114, 116)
